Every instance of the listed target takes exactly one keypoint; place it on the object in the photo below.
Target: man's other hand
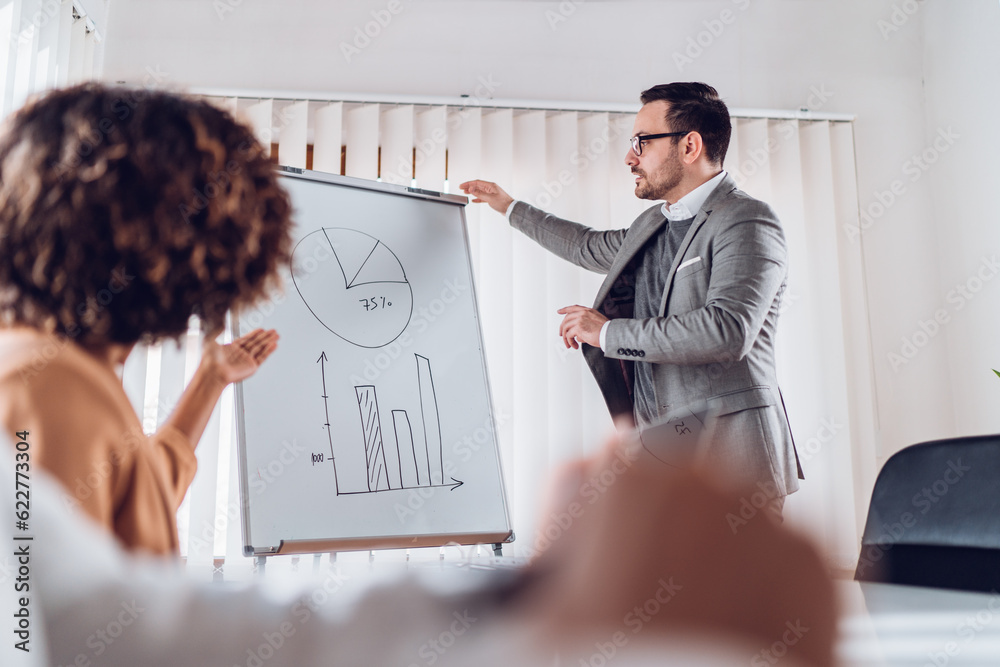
(581, 325)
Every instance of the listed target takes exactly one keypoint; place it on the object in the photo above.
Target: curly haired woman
(122, 214)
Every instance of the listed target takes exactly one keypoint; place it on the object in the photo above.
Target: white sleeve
(604, 335)
(509, 210)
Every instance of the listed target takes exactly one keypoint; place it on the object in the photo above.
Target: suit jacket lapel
(721, 191)
(699, 220)
(642, 230)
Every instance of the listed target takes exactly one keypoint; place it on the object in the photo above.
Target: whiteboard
(371, 425)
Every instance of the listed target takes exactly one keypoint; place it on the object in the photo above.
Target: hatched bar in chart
(378, 478)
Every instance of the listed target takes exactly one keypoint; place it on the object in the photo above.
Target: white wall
(962, 58)
(836, 55)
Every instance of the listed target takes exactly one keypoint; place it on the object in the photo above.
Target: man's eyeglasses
(639, 138)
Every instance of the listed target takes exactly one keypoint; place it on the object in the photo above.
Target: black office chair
(934, 518)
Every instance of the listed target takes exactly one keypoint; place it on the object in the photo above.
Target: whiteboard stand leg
(498, 550)
(260, 563)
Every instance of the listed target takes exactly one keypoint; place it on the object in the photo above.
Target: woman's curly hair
(125, 211)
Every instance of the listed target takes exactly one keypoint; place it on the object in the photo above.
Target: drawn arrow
(456, 485)
(322, 369)
(326, 406)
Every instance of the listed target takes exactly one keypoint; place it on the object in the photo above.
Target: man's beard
(668, 178)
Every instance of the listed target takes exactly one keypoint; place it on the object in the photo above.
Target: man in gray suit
(687, 314)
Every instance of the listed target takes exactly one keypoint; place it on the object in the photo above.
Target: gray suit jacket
(713, 342)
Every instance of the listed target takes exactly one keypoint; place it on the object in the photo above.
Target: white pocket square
(693, 260)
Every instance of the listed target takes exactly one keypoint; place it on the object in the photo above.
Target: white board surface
(371, 425)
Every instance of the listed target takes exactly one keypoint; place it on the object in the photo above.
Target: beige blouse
(82, 428)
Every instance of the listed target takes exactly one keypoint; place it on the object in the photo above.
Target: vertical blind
(548, 407)
(44, 44)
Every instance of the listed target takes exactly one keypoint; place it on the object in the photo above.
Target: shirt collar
(690, 204)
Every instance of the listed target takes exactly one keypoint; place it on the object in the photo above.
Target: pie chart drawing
(353, 284)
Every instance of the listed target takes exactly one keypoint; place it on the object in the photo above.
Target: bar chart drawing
(402, 463)
(353, 284)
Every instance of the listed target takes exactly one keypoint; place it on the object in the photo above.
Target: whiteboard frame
(389, 541)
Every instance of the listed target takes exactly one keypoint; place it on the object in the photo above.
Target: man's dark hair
(125, 211)
(695, 107)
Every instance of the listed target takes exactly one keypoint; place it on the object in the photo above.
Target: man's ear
(693, 147)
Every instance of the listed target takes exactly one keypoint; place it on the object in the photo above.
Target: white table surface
(888, 624)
